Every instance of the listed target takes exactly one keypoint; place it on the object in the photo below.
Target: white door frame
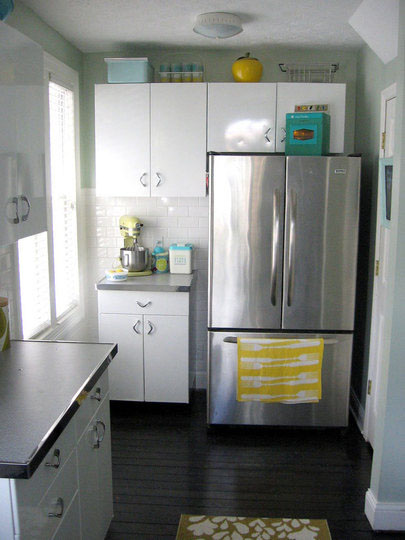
(373, 371)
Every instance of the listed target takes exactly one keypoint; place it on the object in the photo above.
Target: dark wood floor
(166, 462)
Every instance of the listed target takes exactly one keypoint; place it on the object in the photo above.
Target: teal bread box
(129, 70)
(308, 134)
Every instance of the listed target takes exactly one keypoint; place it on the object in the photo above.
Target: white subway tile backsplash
(200, 211)
(158, 211)
(187, 222)
(177, 211)
(188, 201)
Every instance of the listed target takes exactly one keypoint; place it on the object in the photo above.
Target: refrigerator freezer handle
(291, 245)
(275, 245)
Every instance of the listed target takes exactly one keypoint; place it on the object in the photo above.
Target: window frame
(59, 73)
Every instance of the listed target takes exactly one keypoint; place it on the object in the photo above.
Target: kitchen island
(55, 455)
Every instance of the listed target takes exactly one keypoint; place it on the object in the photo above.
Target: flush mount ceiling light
(218, 25)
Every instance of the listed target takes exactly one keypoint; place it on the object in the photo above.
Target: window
(48, 262)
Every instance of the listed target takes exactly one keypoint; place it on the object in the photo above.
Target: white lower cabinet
(69, 497)
(152, 333)
(95, 481)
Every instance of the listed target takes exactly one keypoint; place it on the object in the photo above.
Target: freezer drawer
(330, 411)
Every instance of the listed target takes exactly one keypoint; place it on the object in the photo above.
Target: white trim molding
(384, 516)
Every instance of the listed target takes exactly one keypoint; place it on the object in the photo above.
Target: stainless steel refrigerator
(282, 263)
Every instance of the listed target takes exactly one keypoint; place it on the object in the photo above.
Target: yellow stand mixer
(134, 258)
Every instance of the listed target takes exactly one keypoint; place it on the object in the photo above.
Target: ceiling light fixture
(218, 25)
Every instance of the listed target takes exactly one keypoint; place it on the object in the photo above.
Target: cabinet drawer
(155, 303)
(90, 405)
(69, 528)
(30, 491)
(34, 519)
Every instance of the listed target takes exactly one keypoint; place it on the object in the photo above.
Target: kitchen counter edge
(155, 282)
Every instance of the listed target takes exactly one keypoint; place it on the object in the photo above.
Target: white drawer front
(143, 302)
(30, 491)
(34, 519)
(91, 403)
(69, 528)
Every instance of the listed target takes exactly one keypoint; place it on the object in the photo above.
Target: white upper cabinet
(334, 95)
(241, 117)
(22, 141)
(122, 115)
(178, 139)
(150, 139)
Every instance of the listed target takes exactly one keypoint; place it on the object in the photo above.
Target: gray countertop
(156, 282)
(40, 382)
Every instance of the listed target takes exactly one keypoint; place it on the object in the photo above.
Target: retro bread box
(308, 134)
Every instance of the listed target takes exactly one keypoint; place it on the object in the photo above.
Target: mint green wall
(27, 22)
(217, 65)
(372, 77)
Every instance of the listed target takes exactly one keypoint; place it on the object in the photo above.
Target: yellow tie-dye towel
(280, 370)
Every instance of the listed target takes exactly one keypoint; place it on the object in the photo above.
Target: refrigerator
(282, 264)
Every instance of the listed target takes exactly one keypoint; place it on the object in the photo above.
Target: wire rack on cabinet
(318, 72)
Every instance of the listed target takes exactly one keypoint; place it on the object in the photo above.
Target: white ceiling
(115, 25)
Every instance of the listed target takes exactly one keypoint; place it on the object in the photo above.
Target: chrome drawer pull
(56, 464)
(151, 327)
(27, 202)
(266, 135)
(97, 394)
(143, 305)
(99, 437)
(59, 513)
(141, 179)
(159, 177)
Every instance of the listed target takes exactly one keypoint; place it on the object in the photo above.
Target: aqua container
(129, 70)
(308, 134)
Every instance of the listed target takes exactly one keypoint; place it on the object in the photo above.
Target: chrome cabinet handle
(284, 136)
(151, 327)
(159, 179)
(266, 135)
(27, 202)
(135, 327)
(16, 218)
(99, 437)
(54, 464)
(291, 246)
(96, 395)
(59, 512)
(141, 179)
(274, 247)
(144, 305)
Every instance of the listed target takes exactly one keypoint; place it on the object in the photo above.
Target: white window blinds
(63, 194)
(34, 284)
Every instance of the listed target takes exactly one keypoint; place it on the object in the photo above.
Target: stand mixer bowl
(134, 259)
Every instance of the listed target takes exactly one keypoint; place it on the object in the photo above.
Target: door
(105, 495)
(178, 139)
(320, 258)
(246, 236)
(166, 358)
(122, 140)
(333, 95)
(331, 410)
(241, 117)
(381, 258)
(126, 372)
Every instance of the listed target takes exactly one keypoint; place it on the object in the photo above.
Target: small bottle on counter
(160, 259)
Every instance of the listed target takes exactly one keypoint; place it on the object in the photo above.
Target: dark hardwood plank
(167, 462)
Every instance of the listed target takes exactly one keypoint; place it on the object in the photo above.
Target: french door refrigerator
(282, 264)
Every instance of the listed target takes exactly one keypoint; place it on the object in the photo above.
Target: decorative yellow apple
(247, 69)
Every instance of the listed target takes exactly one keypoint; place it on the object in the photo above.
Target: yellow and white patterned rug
(248, 528)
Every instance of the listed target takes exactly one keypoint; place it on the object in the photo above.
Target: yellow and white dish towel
(280, 370)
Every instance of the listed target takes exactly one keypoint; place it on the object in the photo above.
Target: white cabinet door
(94, 467)
(178, 139)
(122, 131)
(166, 358)
(69, 529)
(22, 142)
(334, 95)
(241, 117)
(126, 372)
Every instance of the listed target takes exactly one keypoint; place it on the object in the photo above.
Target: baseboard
(384, 516)
(357, 410)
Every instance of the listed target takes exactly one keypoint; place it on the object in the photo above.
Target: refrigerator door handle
(291, 246)
(275, 246)
(230, 339)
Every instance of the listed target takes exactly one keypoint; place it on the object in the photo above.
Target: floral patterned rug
(245, 528)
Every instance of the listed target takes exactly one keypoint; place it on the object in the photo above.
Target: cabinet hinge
(377, 267)
(383, 140)
(369, 385)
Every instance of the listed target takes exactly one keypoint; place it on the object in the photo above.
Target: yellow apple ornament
(247, 69)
